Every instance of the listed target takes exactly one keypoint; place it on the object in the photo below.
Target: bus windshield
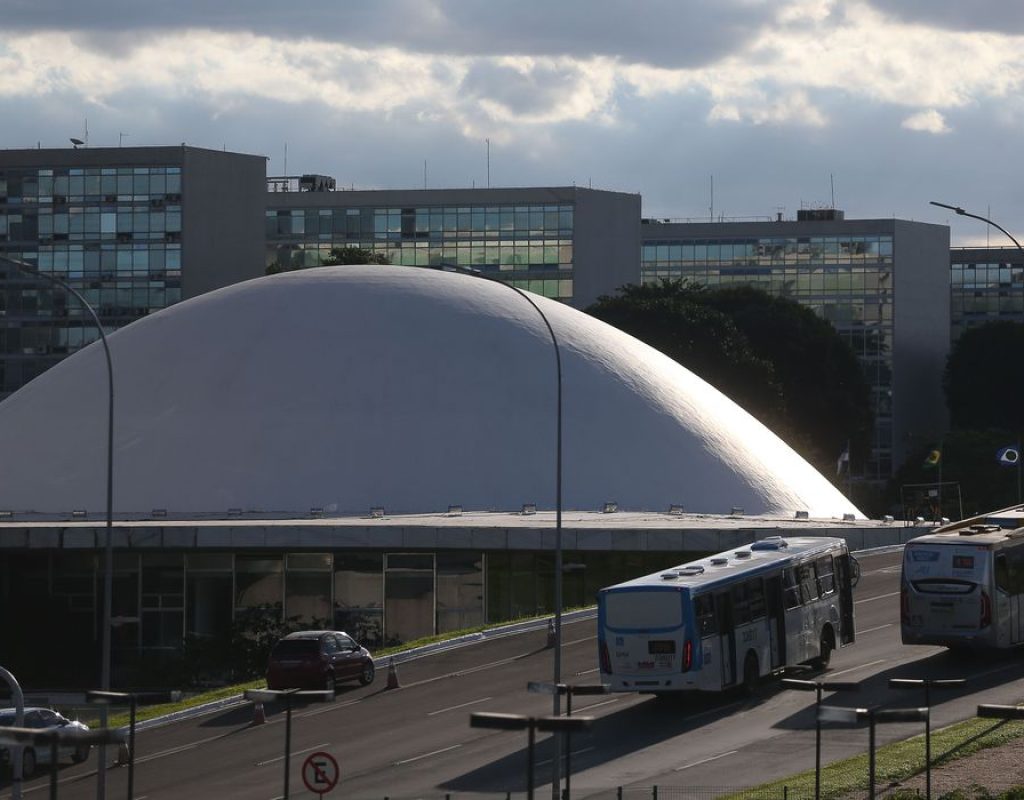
(633, 610)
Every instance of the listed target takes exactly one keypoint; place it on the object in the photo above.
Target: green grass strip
(894, 762)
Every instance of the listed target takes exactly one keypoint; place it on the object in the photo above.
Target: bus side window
(741, 603)
(808, 583)
(1015, 567)
(755, 593)
(791, 589)
(704, 610)
(1003, 573)
(826, 575)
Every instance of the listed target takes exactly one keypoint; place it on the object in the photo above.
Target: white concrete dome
(350, 387)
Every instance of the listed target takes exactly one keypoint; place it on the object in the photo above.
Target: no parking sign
(320, 773)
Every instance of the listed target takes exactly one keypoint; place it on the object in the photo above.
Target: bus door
(1010, 625)
(844, 573)
(776, 620)
(726, 636)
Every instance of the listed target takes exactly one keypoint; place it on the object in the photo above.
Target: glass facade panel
(409, 596)
(460, 591)
(91, 227)
(359, 596)
(844, 279)
(501, 239)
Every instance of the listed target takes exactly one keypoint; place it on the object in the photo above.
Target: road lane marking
(872, 599)
(426, 755)
(574, 752)
(293, 754)
(183, 748)
(877, 628)
(579, 641)
(460, 705)
(854, 669)
(588, 671)
(705, 760)
(329, 707)
(598, 705)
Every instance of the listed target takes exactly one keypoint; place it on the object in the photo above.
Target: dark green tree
(983, 380)
(674, 318)
(353, 255)
(827, 397)
(338, 255)
(776, 358)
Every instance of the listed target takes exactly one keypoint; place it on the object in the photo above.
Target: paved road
(415, 741)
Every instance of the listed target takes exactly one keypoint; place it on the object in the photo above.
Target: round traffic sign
(320, 772)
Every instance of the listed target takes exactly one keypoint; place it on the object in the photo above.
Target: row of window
(421, 223)
(802, 250)
(78, 185)
(90, 223)
(552, 254)
(987, 275)
(792, 283)
(801, 585)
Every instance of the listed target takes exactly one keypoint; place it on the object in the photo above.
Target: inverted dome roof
(411, 389)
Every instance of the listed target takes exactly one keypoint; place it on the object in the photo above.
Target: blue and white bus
(729, 619)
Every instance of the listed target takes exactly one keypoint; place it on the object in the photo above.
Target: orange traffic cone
(551, 633)
(393, 675)
(258, 715)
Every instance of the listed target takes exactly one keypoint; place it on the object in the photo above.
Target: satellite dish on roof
(76, 142)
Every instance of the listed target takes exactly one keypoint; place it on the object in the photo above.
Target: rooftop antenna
(86, 131)
(286, 158)
(832, 183)
(424, 173)
(120, 138)
(76, 143)
(712, 208)
(488, 162)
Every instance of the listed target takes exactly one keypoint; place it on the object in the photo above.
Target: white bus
(728, 619)
(963, 585)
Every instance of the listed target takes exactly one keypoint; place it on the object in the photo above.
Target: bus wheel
(751, 674)
(826, 648)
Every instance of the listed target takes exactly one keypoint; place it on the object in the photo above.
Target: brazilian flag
(932, 459)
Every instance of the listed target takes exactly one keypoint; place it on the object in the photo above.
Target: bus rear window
(643, 610)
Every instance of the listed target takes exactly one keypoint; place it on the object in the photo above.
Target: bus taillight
(687, 655)
(986, 609)
(606, 661)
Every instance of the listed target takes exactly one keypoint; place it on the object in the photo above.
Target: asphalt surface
(416, 741)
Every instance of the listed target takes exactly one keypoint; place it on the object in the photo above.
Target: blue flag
(1008, 456)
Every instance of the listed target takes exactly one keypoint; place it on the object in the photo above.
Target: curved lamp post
(986, 220)
(557, 705)
(108, 569)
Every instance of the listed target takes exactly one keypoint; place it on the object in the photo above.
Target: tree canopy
(338, 255)
(983, 380)
(779, 360)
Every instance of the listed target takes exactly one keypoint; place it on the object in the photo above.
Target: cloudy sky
(779, 104)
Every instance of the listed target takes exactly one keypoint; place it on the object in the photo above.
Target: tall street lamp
(986, 220)
(556, 709)
(108, 568)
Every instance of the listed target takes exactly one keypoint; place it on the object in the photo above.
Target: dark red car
(318, 660)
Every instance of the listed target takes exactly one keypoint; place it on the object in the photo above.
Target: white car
(42, 719)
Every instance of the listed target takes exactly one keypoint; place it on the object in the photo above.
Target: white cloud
(930, 121)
